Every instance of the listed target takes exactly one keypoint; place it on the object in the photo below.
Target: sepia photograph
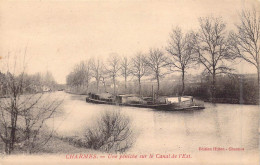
(130, 82)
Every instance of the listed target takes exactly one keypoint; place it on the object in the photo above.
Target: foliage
(112, 132)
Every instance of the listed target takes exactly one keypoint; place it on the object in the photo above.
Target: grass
(57, 146)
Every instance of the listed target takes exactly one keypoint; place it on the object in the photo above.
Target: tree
(35, 110)
(212, 48)
(156, 61)
(112, 69)
(181, 52)
(246, 43)
(125, 69)
(2, 78)
(138, 68)
(48, 79)
(87, 73)
(83, 74)
(97, 68)
(76, 78)
(23, 114)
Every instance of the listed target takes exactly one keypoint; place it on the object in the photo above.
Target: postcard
(129, 82)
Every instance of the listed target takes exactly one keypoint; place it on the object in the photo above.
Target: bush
(111, 133)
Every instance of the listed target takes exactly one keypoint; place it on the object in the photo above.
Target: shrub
(111, 133)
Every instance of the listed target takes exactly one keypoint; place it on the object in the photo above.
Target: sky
(59, 34)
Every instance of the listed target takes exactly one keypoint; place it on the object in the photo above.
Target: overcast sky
(60, 34)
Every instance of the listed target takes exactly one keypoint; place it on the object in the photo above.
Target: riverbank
(216, 100)
(229, 101)
(57, 145)
(76, 93)
(54, 145)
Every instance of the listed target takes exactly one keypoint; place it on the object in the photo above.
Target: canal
(218, 125)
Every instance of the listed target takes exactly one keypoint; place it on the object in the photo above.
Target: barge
(161, 103)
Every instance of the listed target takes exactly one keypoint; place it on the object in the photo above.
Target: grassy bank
(54, 145)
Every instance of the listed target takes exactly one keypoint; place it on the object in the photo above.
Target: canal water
(218, 125)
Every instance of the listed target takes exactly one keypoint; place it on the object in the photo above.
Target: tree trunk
(258, 83)
(13, 131)
(6, 148)
(213, 87)
(97, 85)
(139, 83)
(125, 83)
(158, 86)
(27, 134)
(104, 84)
(87, 87)
(183, 84)
(114, 81)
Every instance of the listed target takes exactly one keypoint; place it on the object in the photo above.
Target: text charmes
(81, 156)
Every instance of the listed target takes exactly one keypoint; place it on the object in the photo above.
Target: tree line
(211, 46)
(31, 83)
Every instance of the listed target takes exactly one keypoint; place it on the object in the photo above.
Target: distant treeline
(211, 46)
(235, 89)
(30, 83)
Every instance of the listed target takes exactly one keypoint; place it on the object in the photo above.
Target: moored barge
(161, 103)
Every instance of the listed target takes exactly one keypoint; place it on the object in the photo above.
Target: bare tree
(138, 68)
(112, 69)
(212, 48)
(36, 109)
(87, 73)
(97, 68)
(82, 73)
(76, 79)
(21, 114)
(9, 113)
(9, 109)
(156, 61)
(246, 43)
(125, 69)
(49, 80)
(181, 51)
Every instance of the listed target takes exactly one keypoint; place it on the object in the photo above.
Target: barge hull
(167, 107)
